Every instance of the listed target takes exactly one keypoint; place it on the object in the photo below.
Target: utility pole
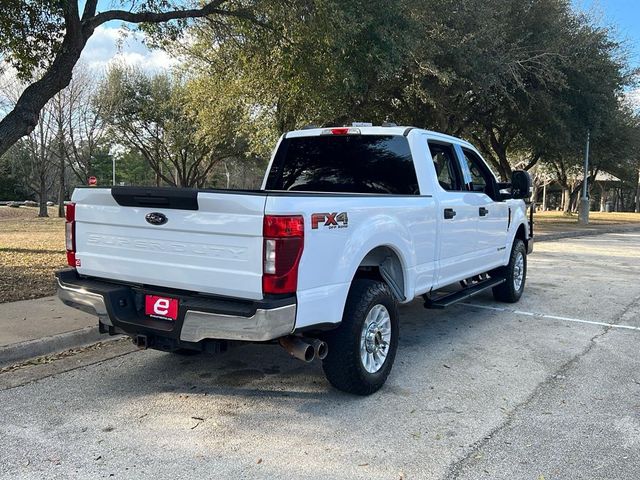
(113, 158)
(584, 201)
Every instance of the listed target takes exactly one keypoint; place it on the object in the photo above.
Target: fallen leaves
(31, 249)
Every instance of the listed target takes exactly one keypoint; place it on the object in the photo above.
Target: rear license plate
(161, 307)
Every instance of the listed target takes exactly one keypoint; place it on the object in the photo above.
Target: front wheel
(362, 349)
(515, 273)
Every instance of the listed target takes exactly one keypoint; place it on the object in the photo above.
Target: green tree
(132, 168)
(49, 35)
(322, 61)
(516, 77)
(149, 114)
(10, 188)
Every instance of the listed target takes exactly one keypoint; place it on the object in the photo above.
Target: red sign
(93, 181)
(161, 307)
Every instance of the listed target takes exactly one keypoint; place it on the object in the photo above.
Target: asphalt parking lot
(548, 388)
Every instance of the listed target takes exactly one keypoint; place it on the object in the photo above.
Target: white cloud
(633, 97)
(110, 44)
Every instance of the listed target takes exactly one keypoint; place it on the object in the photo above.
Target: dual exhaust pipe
(304, 349)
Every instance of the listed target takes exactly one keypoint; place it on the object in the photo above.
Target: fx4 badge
(331, 220)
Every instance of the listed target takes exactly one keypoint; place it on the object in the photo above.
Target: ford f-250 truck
(349, 223)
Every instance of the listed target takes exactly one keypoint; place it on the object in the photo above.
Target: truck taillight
(70, 234)
(283, 245)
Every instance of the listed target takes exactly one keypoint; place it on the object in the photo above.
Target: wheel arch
(521, 233)
(385, 263)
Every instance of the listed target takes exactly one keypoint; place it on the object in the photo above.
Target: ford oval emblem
(156, 218)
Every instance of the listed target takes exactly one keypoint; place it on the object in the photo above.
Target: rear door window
(446, 165)
(482, 180)
(378, 164)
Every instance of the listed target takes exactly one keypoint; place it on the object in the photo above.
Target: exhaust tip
(321, 348)
(298, 348)
(309, 354)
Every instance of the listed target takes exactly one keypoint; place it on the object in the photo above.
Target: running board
(447, 300)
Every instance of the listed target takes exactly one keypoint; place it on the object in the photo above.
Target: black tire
(508, 291)
(344, 366)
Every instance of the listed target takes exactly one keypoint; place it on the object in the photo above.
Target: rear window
(344, 163)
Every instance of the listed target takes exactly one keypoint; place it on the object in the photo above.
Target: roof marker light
(341, 131)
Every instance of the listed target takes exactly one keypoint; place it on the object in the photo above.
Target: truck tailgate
(215, 247)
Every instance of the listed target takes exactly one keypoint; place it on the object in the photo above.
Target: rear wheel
(515, 273)
(362, 349)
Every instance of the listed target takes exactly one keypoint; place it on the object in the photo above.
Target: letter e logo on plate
(161, 307)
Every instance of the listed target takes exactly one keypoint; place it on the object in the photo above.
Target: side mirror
(520, 184)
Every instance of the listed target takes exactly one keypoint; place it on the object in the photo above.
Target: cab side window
(482, 179)
(445, 163)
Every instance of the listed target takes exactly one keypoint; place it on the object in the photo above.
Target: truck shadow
(267, 371)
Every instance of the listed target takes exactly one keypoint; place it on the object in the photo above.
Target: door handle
(483, 211)
(449, 213)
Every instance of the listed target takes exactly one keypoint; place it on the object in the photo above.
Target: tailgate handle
(152, 201)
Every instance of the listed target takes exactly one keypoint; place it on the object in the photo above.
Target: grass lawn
(31, 249)
(548, 222)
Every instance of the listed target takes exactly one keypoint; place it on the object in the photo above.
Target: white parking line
(551, 317)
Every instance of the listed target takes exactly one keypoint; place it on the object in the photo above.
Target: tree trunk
(61, 180)
(535, 193)
(566, 199)
(42, 197)
(24, 117)
(227, 175)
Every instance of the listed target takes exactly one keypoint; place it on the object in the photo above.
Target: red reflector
(339, 131)
(71, 259)
(282, 249)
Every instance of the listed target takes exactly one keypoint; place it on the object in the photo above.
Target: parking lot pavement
(478, 391)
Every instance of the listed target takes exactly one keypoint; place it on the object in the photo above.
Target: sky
(624, 16)
(110, 42)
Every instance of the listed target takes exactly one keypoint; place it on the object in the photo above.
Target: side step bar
(445, 301)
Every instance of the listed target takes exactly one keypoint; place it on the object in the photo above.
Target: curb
(18, 352)
(545, 237)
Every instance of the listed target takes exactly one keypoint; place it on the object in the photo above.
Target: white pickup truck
(349, 223)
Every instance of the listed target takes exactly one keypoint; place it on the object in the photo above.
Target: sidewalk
(31, 328)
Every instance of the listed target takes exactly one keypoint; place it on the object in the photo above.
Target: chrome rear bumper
(196, 325)
(264, 325)
(81, 299)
